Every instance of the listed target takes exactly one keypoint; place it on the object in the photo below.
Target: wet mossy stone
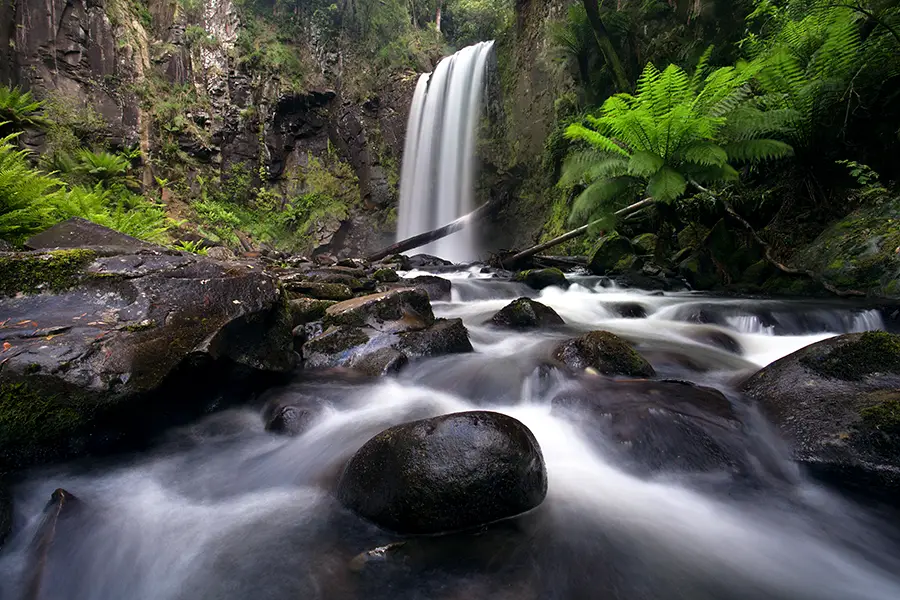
(613, 254)
(539, 279)
(836, 402)
(37, 272)
(604, 352)
(383, 361)
(307, 310)
(320, 290)
(525, 313)
(437, 288)
(645, 243)
(385, 275)
(445, 336)
(700, 272)
(444, 474)
(334, 347)
(392, 311)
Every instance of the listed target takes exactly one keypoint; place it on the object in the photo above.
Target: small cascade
(437, 177)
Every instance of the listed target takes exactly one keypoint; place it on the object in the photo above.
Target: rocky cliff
(203, 95)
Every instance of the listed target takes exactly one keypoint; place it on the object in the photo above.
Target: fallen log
(511, 262)
(435, 234)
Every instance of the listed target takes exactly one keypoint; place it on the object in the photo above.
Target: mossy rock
(700, 272)
(646, 243)
(307, 310)
(333, 347)
(604, 352)
(860, 252)
(36, 272)
(525, 313)
(391, 311)
(756, 274)
(838, 402)
(692, 236)
(539, 279)
(446, 336)
(613, 254)
(320, 290)
(385, 275)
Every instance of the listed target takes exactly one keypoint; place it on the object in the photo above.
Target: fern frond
(600, 197)
(754, 151)
(705, 153)
(597, 140)
(644, 163)
(666, 185)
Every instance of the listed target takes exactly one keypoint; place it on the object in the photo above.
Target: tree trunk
(570, 235)
(437, 16)
(435, 234)
(606, 46)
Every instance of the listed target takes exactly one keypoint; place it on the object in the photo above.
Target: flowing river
(222, 509)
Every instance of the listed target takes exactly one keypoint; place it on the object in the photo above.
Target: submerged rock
(525, 313)
(87, 338)
(838, 403)
(291, 415)
(604, 352)
(380, 362)
(539, 279)
(447, 473)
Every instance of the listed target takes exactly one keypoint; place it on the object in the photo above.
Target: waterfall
(437, 177)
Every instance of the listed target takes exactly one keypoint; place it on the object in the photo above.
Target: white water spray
(438, 173)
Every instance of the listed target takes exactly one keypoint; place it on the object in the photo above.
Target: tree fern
(672, 130)
(19, 109)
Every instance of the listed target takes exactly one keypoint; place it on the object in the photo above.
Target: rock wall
(107, 54)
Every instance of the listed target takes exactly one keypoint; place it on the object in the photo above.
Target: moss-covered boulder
(838, 403)
(692, 236)
(392, 311)
(860, 252)
(525, 313)
(446, 336)
(539, 279)
(613, 254)
(385, 275)
(335, 347)
(45, 271)
(307, 310)
(700, 272)
(605, 353)
(645, 243)
(448, 473)
(117, 332)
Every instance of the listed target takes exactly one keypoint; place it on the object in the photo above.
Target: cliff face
(172, 82)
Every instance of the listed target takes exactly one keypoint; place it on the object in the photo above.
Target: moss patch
(883, 416)
(31, 418)
(873, 352)
(606, 352)
(54, 271)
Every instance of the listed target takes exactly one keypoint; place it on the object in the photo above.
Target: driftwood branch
(767, 249)
(571, 235)
(435, 234)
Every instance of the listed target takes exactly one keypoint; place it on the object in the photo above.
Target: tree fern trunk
(606, 46)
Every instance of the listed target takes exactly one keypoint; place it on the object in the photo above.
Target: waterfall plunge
(437, 178)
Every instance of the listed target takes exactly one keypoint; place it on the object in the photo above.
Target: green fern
(674, 129)
(19, 109)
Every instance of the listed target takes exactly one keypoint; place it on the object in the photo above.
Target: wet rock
(614, 254)
(604, 352)
(380, 362)
(539, 279)
(525, 313)
(334, 347)
(630, 310)
(307, 310)
(699, 271)
(437, 288)
(446, 336)
(56, 522)
(717, 338)
(645, 243)
(351, 281)
(393, 311)
(448, 473)
(81, 233)
(838, 403)
(220, 253)
(320, 290)
(291, 416)
(421, 261)
(659, 425)
(385, 275)
(110, 332)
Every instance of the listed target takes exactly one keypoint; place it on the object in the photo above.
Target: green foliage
(31, 201)
(466, 22)
(19, 109)
(675, 129)
(192, 247)
(104, 168)
(196, 36)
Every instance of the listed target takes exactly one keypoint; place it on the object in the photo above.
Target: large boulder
(447, 473)
(613, 254)
(437, 288)
(88, 338)
(392, 311)
(604, 352)
(860, 252)
(539, 279)
(838, 404)
(424, 261)
(525, 313)
(446, 336)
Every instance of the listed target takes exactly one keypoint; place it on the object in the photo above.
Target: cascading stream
(437, 176)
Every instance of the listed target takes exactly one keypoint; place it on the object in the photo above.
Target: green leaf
(666, 185)
(595, 139)
(644, 164)
(705, 153)
(754, 151)
(600, 198)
